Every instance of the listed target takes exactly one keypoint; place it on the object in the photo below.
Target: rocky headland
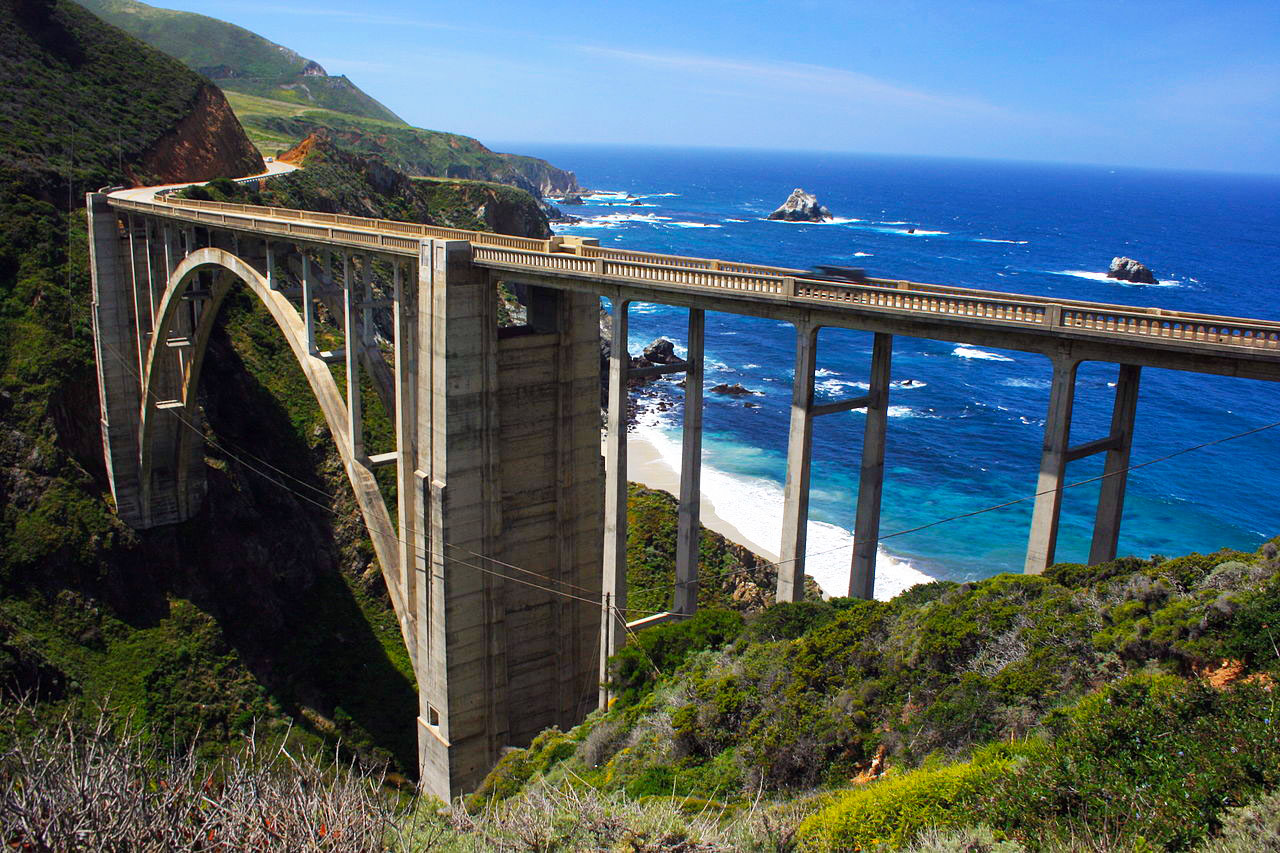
(801, 206)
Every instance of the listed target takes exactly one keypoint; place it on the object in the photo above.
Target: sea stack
(801, 206)
(1127, 269)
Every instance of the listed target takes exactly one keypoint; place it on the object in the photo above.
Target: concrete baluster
(795, 510)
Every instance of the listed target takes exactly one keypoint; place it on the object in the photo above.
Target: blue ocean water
(966, 433)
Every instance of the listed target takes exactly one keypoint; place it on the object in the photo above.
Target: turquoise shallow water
(967, 433)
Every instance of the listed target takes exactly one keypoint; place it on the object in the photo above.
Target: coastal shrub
(1248, 828)
(518, 766)
(788, 620)
(660, 650)
(1254, 631)
(889, 813)
(1150, 759)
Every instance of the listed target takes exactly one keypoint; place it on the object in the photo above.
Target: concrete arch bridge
(504, 551)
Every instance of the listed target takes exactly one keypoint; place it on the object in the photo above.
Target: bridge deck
(1239, 346)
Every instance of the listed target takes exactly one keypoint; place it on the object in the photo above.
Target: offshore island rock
(801, 206)
(661, 351)
(1127, 269)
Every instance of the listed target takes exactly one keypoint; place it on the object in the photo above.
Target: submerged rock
(1127, 269)
(801, 206)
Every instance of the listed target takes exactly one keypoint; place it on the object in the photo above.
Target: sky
(1184, 85)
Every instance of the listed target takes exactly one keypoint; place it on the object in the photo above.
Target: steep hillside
(337, 179)
(1124, 706)
(281, 97)
(84, 102)
(239, 60)
(276, 126)
(198, 628)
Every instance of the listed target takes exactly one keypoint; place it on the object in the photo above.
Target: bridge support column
(462, 723)
(687, 539)
(866, 530)
(795, 510)
(614, 587)
(119, 391)
(1106, 525)
(1043, 540)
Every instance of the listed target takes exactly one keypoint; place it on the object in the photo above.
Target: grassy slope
(237, 59)
(1092, 673)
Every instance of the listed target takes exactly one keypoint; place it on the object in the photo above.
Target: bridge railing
(563, 256)
(368, 224)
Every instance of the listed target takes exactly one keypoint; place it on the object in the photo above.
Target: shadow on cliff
(262, 559)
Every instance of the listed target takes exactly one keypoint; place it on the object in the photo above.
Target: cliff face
(206, 143)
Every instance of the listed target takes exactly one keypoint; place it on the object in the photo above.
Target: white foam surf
(1101, 276)
(753, 507)
(993, 240)
(965, 351)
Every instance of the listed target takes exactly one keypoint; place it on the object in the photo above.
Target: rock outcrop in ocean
(801, 206)
(1127, 269)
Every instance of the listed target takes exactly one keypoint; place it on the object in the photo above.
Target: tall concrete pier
(504, 553)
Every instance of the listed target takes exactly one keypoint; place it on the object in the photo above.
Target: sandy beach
(645, 465)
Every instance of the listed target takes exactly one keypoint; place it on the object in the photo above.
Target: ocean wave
(964, 351)
(834, 387)
(691, 225)
(902, 385)
(737, 220)
(863, 255)
(825, 371)
(1019, 382)
(753, 507)
(617, 220)
(908, 412)
(993, 240)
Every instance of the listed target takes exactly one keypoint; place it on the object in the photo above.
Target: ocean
(965, 431)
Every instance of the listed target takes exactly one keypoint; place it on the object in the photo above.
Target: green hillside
(239, 60)
(64, 74)
(281, 97)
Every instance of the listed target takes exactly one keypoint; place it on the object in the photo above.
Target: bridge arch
(165, 432)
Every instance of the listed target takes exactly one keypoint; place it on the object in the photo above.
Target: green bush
(889, 813)
(1150, 759)
(665, 648)
(1248, 828)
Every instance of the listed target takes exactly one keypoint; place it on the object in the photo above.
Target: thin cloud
(817, 79)
(353, 16)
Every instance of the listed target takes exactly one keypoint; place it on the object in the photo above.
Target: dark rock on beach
(801, 206)
(1127, 269)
